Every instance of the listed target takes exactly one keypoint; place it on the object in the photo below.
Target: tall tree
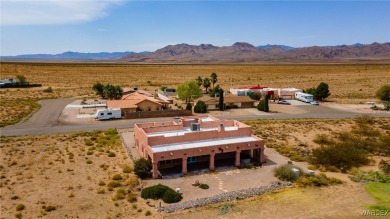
(206, 83)
(383, 93)
(199, 81)
(188, 91)
(98, 88)
(221, 103)
(214, 78)
(322, 91)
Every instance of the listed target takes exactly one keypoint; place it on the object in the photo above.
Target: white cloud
(42, 12)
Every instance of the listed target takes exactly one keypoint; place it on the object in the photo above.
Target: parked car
(284, 102)
(314, 103)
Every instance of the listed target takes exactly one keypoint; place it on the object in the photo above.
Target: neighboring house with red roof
(135, 102)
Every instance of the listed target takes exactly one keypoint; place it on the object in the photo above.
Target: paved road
(45, 121)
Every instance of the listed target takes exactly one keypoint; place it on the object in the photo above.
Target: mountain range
(239, 52)
(242, 52)
(71, 56)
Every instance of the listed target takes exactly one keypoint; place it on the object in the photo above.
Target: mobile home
(110, 113)
(307, 98)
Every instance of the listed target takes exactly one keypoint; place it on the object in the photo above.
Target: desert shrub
(383, 93)
(384, 166)
(160, 191)
(297, 158)
(154, 192)
(171, 196)
(204, 186)
(132, 198)
(323, 139)
(49, 208)
(148, 213)
(101, 191)
(113, 184)
(111, 154)
(370, 176)
(142, 168)
(120, 194)
(317, 180)
(127, 169)
(344, 157)
(89, 161)
(20, 207)
(48, 90)
(285, 173)
(88, 142)
(117, 177)
(200, 107)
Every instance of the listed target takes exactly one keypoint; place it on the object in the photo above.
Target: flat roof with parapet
(187, 130)
(200, 144)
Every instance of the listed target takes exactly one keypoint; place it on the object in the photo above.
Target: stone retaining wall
(228, 196)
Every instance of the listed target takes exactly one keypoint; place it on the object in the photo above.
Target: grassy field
(381, 192)
(348, 83)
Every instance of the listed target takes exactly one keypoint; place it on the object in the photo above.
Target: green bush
(127, 169)
(204, 186)
(320, 180)
(285, 173)
(48, 90)
(111, 154)
(171, 196)
(160, 191)
(384, 166)
(142, 168)
(20, 207)
(120, 194)
(117, 177)
(49, 208)
(154, 192)
(323, 139)
(200, 107)
(370, 176)
(113, 184)
(344, 157)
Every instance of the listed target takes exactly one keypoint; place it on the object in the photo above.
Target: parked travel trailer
(307, 98)
(103, 114)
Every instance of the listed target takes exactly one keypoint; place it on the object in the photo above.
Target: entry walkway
(128, 139)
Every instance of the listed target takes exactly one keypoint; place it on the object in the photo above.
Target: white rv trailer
(307, 98)
(110, 113)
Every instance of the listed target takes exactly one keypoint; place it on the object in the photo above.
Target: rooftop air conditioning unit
(195, 127)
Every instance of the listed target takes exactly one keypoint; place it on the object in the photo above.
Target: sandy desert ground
(73, 174)
(349, 83)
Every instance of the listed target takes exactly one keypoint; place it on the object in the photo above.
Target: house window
(149, 108)
(157, 108)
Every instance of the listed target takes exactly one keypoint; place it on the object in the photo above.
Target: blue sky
(53, 26)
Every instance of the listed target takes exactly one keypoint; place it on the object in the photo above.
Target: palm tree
(214, 78)
(199, 81)
(206, 83)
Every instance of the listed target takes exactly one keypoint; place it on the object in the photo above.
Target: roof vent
(195, 127)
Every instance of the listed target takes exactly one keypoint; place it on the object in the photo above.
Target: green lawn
(381, 192)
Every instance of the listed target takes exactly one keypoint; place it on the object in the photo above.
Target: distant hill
(242, 52)
(274, 45)
(72, 56)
